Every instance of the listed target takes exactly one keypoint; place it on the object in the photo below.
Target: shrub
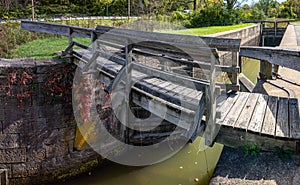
(214, 15)
(12, 36)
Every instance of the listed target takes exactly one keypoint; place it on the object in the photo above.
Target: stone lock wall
(37, 126)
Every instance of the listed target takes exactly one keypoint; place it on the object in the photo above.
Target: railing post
(70, 40)
(275, 29)
(265, 70)
(235, 63)
(211, 105)
(93, 42)
(128, 55)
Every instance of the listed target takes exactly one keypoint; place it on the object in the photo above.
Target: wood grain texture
(282, 125)
(226, 106)
(294, 118)
(236, 110)
(257, 119)
(269, 124)
(247, 112)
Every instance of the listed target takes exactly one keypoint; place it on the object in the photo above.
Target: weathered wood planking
(283, 57)
(226, 106)
(184, 118)
(178, 79)
(235, 111)
(269, 115)
(282, 126)
(187, 63)
(247, 112)
(257, 119)
(294, 118)
(166, 90)
(269, 124)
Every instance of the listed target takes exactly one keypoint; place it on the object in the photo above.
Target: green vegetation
(41, 49)
(207, 17)
(12, 37)
(209, 30)
(282, 153)
(222, 12)
(252, 150)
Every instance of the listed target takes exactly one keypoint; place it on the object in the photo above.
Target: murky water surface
(188, 167)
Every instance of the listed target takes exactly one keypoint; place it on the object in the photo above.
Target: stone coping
(28, 62)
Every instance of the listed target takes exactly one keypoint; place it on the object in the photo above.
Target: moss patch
(83, 168)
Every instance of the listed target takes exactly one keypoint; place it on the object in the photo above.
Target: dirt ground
(265, 168)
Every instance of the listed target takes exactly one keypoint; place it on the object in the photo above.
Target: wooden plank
(235, 62)
(165, 91)
(265, 69)
(55, 28)
(238, 138)
(282, 126)
(188, 63)
(269, 124)
(161, 87)
(193, 82)
(283, 57)
(182, 118)
(193, 102)
(170, 89)
(151, 80)
(178, 79)
(247, 112)
(257, 119)
(221, 100)
(294, 119)
(246, 82)
(193, 97)
(226, 106)
(235, 111)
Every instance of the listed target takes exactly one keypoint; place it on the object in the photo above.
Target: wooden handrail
(289, 58)
(222, 44)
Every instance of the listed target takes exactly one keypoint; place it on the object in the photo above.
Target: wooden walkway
(261, 114)
(246, 118)
(185, 101)
(257, 119)
(181, 101)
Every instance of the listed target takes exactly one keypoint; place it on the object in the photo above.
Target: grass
(47, 47)
(13, 37)
(209, 30)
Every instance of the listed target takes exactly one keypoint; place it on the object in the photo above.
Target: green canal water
(190, 166)
(251, 68)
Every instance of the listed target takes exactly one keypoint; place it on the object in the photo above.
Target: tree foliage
(259, 10)
(214, 15)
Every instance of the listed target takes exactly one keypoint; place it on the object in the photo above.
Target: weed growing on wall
(18, 83)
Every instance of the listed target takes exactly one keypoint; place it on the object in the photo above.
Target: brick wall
(37, 126)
